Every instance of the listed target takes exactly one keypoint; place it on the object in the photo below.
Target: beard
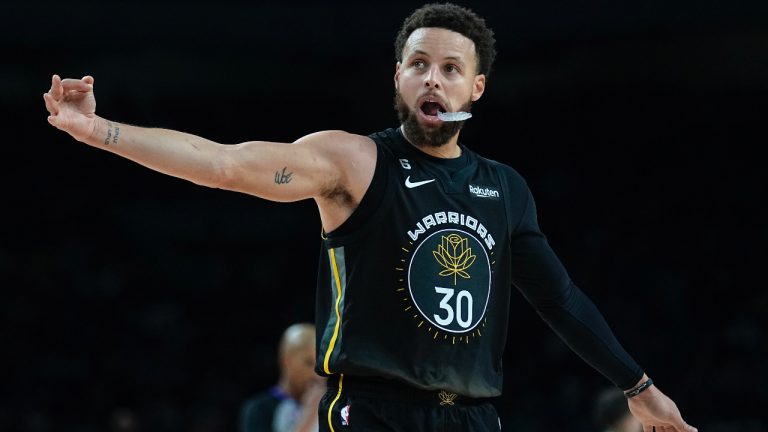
(421, 136)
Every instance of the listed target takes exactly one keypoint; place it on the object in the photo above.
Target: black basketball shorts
(355, 405)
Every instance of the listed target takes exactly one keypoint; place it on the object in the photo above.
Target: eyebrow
(424, 53)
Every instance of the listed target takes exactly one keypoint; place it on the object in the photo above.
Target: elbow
(559, 295)
(222, 171)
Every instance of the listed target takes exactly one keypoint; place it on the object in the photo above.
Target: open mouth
(431, 108)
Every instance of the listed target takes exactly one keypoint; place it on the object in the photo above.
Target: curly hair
(455, 18)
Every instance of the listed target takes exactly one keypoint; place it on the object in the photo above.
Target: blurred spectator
(611, 412)
(291, 405)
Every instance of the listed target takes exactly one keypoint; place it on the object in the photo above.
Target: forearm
(316, 165)
(578, 322)
(170, 152)
(543, 280)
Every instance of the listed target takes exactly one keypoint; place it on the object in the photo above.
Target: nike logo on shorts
(410, 185)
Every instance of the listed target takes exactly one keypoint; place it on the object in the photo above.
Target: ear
(397, 74)
(478, 87)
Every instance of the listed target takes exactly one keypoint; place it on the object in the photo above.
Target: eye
(418, 64)
(451, 68)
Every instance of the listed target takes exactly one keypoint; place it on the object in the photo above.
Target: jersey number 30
(463, 303)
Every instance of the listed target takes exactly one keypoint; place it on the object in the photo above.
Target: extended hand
(72, 106)
(654, 409)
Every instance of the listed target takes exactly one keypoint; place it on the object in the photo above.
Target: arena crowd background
(127, 294)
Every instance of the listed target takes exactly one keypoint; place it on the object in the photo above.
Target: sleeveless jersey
(415, 285)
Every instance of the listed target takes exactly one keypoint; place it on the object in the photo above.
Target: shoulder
(264, 401)
(343, 152)
(257, 412)
(348, 155)
(262, 397)
(511, 175)
(337, 140)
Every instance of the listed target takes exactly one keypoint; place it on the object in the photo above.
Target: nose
(431, 80)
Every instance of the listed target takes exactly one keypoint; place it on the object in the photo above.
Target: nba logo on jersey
(345, 416)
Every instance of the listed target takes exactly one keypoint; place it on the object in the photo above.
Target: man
(291, 405)
(423, 239)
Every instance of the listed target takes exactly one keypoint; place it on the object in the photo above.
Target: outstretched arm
(312, 167)
(541, 277)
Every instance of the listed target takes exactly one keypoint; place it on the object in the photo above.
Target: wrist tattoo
(283, 177)
(113, 132)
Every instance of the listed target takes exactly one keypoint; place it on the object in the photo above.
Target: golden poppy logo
(455, 256)
(447, 398)
(445, 283)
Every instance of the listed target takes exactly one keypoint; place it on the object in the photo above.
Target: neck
(448, 150)
(283, 385)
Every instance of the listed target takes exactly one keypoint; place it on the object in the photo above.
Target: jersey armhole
(369, 204)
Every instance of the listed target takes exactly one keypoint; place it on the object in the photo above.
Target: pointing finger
(88, 79)
(56, 88)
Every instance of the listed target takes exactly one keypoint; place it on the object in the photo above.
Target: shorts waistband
(389, 389)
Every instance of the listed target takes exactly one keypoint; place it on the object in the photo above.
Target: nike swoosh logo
(410, 185)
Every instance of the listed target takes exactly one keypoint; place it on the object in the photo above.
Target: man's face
(438, 73)
(299, 369)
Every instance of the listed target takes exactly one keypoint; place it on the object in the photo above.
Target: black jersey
(415, 285)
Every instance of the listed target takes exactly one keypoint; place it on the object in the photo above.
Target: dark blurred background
(130, 295)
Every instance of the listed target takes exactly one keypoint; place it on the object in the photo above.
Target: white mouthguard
(454, 116)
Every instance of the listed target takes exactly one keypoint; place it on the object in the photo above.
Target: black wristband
(639, 389)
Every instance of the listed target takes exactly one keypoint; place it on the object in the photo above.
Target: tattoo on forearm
(283, 177)
(113, 132)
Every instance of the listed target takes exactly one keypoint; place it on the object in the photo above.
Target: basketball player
(423, 240)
